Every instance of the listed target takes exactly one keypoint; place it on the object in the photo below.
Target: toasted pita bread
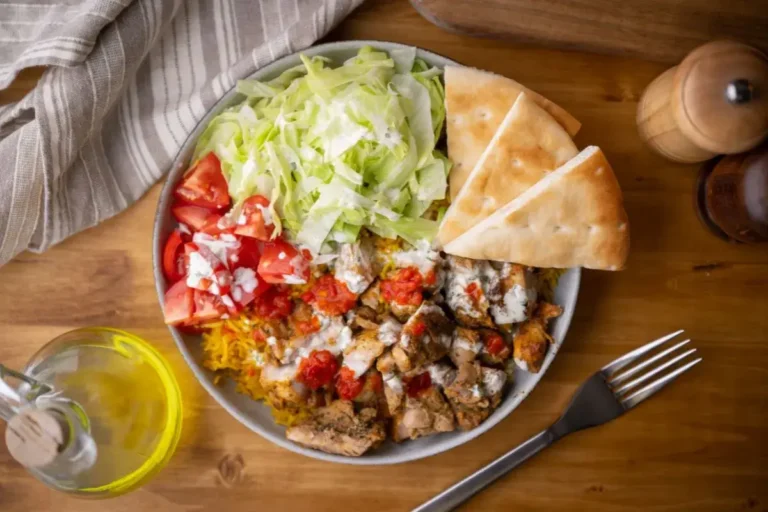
(573, 217)
(476, 103)
(528, 145)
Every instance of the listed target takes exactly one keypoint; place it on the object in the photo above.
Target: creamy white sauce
(359, 359)
(513, 307)
(389, 332)
(421, 257)
(271, 341)
(245, 278)
(292, 279)
(521, 364)
(441, 374)
(184, 228)
(353, 267)
(227, 301)
(477, 391)
(493, 380)
(466, 344)
(266, 214)
(225, 244)
(199, 269)
(393, 382)
(357, 283)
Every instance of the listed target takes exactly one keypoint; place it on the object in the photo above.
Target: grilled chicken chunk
(470, 286)
(475, 393)
(337, 429)
(393, 392)
(363, 351)
(279, 384)
(363, 318)
(355, 266)
(517, 297)
(426, 337)
(531, 340)
(466, 345)
(423, 415)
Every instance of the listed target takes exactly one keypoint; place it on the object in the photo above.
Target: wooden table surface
(699, 445)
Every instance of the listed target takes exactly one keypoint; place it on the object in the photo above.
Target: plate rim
(162, 213)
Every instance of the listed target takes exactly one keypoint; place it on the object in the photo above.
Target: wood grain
(659, 30)
(699, 445)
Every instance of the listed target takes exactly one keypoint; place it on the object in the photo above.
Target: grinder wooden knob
(715, 102)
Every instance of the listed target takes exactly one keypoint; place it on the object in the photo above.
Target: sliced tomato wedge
(193, 216)
(173, 257)
(282, 263)
(254, 220)
(207, 307)
(178, 304)
(248, 255)
(204, 185)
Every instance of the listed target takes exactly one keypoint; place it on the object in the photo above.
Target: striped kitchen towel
(127, 81)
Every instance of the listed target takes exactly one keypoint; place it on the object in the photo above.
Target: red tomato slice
(347, 386)
(178, 304)
(318, 369)
(173, 257)
(193, 216)
(248, 255)
(252, 222)
(204, 185)
(282, 263)
(207, 307)
(243, 289)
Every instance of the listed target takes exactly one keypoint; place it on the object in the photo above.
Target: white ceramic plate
(257, 416)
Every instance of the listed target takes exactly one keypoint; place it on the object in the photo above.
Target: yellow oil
(130, 398)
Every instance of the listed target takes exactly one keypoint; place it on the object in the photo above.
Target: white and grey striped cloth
(127, 81)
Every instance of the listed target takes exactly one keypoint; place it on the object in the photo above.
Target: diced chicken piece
(402, 311)
(355, 266)
(393, 392)
(466, 345)
(373, 390)
(337, 429)
(427, 261)
(426, 337)
(372, 298)
(282, 391)
(386, 362)
(475, 393)
(470, 286)
(532, 340)
(423, 415)
(332, 336)
(389, 331)
(360, 355)
(363, 318)
(517, 299)
(497, 348)
(441, 375)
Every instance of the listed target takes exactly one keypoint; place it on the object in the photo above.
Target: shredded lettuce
(338, 149)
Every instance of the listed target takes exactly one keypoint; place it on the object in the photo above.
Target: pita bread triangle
(574, 217)
(528, 145)
(476, 103)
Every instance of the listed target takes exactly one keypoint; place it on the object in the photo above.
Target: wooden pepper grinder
(715, 102)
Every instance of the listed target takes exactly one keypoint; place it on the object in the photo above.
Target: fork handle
(477, 481)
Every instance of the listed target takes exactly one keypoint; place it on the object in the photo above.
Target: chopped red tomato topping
(193, 216)
(318, 369)
(254, 220)
(330, 296)
(415, 385)
(307, 326)
(204, 185)
(274, 304)
(404, 287)
(173, 257)
(259, 336)
(495, 344)
(282, 263)
(377, 384)
(347, 386)
(417, 328)
(178, 304)
(474, 291)
(430, 278)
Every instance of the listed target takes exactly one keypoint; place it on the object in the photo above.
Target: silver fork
(606, 395)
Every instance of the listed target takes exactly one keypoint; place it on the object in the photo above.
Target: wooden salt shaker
(714, 102)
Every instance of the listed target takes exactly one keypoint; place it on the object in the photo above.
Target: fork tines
(662, 367)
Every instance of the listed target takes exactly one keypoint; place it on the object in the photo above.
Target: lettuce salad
(338, 149)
